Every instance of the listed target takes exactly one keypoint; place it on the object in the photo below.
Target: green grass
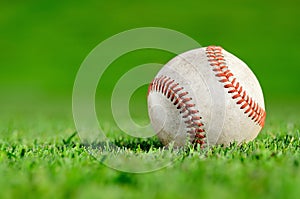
(41, 157)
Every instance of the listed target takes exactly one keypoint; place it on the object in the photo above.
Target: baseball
(206, 96)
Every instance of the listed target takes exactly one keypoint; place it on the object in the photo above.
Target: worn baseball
(206, 96)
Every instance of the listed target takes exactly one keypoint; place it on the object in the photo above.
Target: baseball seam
(179, 97)
(251, 107)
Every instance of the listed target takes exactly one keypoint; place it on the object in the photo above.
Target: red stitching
(179, 97)
(217, 61)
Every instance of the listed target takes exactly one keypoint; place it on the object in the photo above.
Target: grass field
(42, 47)
(54, 164)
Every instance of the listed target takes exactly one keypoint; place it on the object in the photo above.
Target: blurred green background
(43, 43)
